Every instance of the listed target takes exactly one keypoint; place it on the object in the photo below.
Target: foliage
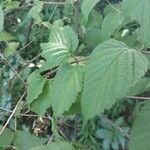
(139, 131)
(117, 68)
(111, 137)
(88, 4)
(67, 84)
(1, 18)
(64, 64)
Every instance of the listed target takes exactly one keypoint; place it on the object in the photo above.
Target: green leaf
(75, 108)
(87, 7)
(93, 37)
(132, 40)
(1, 19)
(111, 70)
(111, 22)
(140, 135)
(129, 7)
(10, 5)
(55, 146)
(112, 8)
(62, 42)
(143, 16)
(5, 36)
(49, 63)
(94, 20)
(40, 104)
(25, 140)
(4, 140)
(55, 130)
(142, 86)
(35, 86)
(11, 48)
(139, 10)
(67, 84)
(35, 11)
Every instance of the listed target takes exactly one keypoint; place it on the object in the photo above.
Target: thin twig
(76, 14)
(36, 57)
(73, 62)
(56, 3)
(80, 60)
(114, 125)
(113, 6)
(15, 72)
(8, 146)
(32, 115)
(145, 52)
(28, 32)
(50, 139)
(11, 47)
(46, 3)
(50, 73)
(50, 18)
(3, 109)
(13, 112)
(28, 44)
(23, 114)
(137, 97)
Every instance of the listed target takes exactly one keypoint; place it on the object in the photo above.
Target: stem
(114, 125)
(145, 52)
(13, 112)
(15, 72)
(113, 7)
(56, 3)
(73, 62)
(137, 97)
